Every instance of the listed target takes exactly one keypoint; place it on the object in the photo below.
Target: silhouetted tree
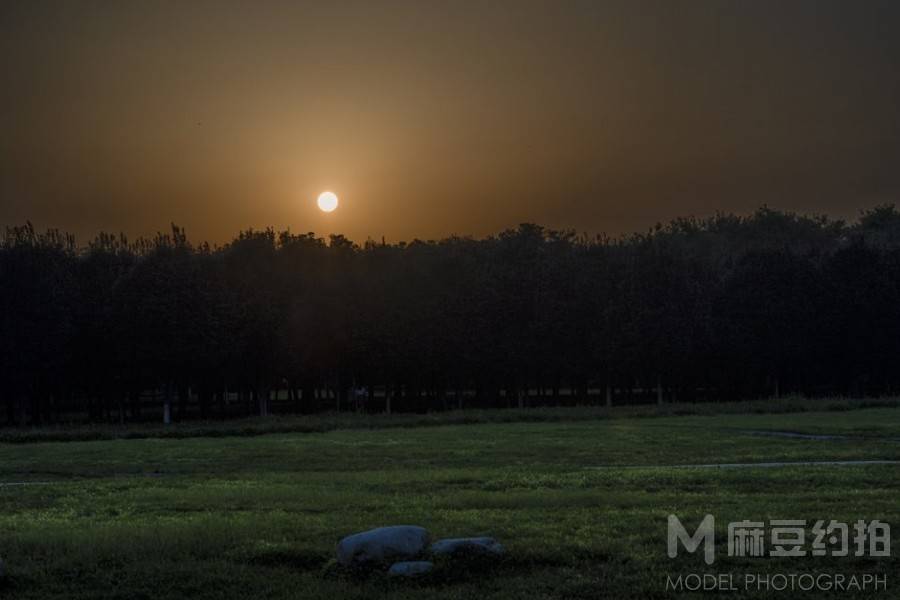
(717, 308)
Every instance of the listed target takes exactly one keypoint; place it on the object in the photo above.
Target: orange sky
(430, 118)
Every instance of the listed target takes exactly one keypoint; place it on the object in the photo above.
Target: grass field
(581, 505)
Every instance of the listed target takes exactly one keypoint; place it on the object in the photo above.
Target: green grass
(258, 516)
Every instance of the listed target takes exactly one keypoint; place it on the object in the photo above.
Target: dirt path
(759, 465)
(821, 437)
(21, 483)
(795, 436)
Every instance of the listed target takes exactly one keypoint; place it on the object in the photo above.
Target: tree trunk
(263, 396)
(167, 404)
(659, 392)
(293, 397)
(135, 405)
(184, 394)
(10, 409)
(609, 396)
(223, 400)
(308, 397)
(203, 397)
(412, 398)
(36, 410)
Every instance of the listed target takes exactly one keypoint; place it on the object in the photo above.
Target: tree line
(725, 307)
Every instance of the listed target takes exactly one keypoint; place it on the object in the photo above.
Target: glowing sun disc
(327, 201)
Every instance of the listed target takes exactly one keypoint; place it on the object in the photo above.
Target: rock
(410, 568)
(473, 546)
(382, 544)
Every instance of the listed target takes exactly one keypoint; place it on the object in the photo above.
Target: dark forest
(714, 309)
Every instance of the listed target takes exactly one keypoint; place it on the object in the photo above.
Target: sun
(327, 201)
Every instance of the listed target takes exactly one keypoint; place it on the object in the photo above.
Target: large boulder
(469, 546)
(410, 568)
(382, 544)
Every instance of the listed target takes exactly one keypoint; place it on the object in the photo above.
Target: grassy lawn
(581, 505)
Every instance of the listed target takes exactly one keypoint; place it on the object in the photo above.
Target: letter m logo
(705, 533)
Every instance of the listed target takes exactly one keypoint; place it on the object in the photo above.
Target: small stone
(413, 568)
(474, 545)
(382, 544)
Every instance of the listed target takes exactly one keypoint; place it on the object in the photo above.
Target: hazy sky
(429, 118)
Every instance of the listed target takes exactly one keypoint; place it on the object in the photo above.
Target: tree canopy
(700, 309)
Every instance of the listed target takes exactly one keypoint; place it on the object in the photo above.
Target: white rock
(410, 568)
(475, 545)
(382, 544)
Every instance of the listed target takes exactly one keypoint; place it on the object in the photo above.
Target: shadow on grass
(282, 556)
(464, 568)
